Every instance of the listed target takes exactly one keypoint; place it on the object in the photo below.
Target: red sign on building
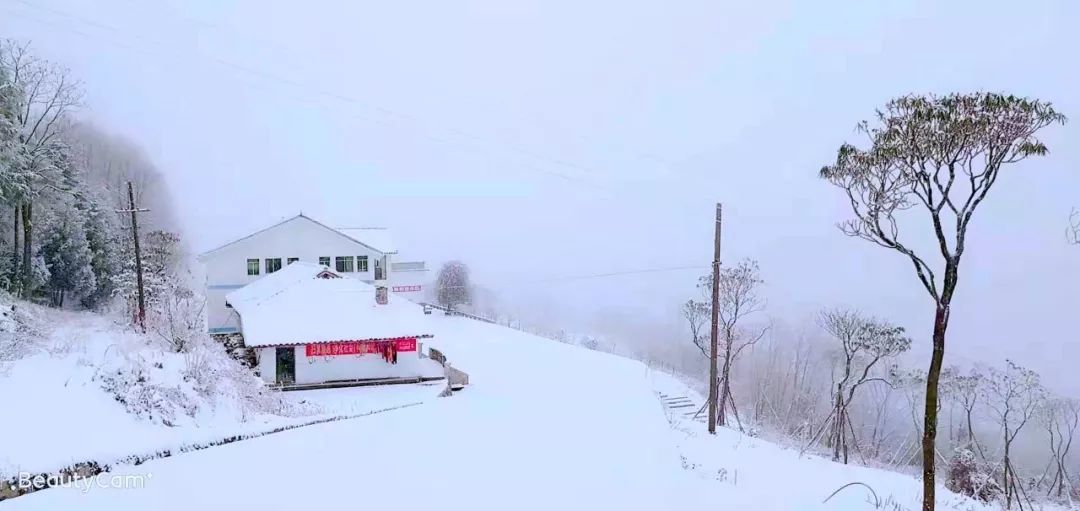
(331, 349)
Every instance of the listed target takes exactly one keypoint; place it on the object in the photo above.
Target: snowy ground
(54, 412)
(357, 400)
(749, 473)
(543, 425)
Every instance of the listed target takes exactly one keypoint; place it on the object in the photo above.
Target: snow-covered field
(55, 412)
(750, 473)
(543, 425)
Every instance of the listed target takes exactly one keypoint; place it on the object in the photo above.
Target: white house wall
(266, 362)
(346, 367)
(226, 268)
(410, 284)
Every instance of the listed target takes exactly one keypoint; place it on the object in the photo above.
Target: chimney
(380, 295)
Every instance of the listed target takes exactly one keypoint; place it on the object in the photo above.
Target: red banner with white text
(331, 349)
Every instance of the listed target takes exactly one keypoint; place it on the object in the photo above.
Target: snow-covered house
(309, 324)
(365, 254)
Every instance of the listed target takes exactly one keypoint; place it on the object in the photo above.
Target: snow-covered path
(543, 426)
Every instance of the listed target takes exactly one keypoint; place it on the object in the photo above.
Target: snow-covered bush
(155, 383)
(11, 345)
(18, 333)
(147, 390)
(968, 477)
(216, 377)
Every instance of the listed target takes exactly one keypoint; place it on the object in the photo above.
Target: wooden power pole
(715, 333)
(140, 318)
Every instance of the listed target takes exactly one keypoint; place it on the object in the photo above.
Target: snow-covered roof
(295, 306)
(375, 237)
(274, 283)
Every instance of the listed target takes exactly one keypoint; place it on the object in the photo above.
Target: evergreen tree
(101, 232)
(160, 256)
(67, 256)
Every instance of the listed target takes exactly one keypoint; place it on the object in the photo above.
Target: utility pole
(714, 337)
(140, 318)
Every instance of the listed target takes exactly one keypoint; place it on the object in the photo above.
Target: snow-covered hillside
(543, 425)
(750, 473)
(78, 387)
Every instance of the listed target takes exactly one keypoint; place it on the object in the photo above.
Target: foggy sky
(545, 140)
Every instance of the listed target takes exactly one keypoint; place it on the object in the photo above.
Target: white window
(324, 261)
(292, 260)
(361, 263)
(253, 266)
(344, 264)
(273, 264)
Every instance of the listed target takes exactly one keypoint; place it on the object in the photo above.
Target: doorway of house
(286, 365)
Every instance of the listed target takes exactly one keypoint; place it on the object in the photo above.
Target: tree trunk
(1008, 487)
(28, 236)
(929, 439)
(838, 421)
(1060, 477)
(15, 252)
(725, 385)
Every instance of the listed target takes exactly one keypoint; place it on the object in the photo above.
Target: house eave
(305, 343)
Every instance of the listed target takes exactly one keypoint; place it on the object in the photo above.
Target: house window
(253, 266)
(292, 260)
(344, 264)
(324, 261)
(273, 264)
(361, 263)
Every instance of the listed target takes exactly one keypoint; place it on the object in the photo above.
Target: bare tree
(738, 299)
(1060, 417)
(940, 155)
(966, 390)
(453, 285)
(1072, 233)
(696, 315)
(1013, 395)
(44, 95)
(789, 394)
(864, 342)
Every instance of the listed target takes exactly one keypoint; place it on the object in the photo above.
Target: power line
(590, 276)
(263, 42)
(311, 90)
(627, 272)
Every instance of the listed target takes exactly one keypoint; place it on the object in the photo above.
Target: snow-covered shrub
(156, 384)
(967, 476)
(217, 377)
(18, 332)
(147, 391)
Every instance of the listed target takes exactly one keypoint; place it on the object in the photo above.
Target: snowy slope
(750, 473)
(542, 426)
(56, 411)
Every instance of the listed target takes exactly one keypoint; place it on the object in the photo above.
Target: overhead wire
(302, 89)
